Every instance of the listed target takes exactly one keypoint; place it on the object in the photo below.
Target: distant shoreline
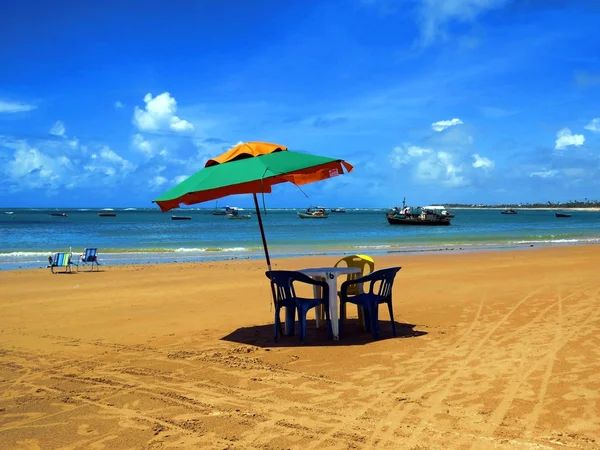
(524, 208)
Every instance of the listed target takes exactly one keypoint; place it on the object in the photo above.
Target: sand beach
(494, 350)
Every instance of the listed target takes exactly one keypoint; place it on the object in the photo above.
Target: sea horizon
(148, 236)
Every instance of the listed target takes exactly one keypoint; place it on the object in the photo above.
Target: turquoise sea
(29, 236)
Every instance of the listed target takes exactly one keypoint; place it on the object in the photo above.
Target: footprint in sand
(28, 444)
(85, 430)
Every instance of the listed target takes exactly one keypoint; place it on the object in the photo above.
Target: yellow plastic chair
(366, 265)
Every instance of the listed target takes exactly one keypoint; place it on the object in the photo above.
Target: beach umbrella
(251, 168)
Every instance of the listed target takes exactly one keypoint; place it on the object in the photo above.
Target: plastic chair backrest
(284, 284)
(363, 262)
(386, 279)
(284, 287)
(60, 260)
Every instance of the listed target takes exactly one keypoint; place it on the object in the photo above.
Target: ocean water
(29, 236)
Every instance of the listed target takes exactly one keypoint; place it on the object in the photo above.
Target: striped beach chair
(61, 260)
(90, 257)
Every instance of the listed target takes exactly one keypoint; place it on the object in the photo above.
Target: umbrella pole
(264, 241)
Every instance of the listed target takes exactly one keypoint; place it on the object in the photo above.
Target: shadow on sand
(263, 335)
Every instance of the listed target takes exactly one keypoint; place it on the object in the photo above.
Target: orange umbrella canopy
(245, 150)
(251, 168)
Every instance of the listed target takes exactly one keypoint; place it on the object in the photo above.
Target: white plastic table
(330, 274)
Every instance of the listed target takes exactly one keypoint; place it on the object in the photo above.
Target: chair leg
(375, 320)
(367, 317)
(341, 318)
(328, 323)
(290, 312)
(392, 317)
(302, 311)
(277, 322)
(361, 316)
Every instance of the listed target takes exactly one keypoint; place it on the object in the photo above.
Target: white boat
(439, 209)
(234, 213)
(8, 212)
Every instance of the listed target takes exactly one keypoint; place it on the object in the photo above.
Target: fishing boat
(411, 215)
(338, 210)
(181, 218)
(314, 213)
(58, 214)
(562, 214)
(235, 213)
(508, 211)
(107, 214)
(223, 211)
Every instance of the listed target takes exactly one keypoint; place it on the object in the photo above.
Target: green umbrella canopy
(251, 175)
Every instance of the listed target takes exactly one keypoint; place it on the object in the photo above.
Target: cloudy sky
(112, 103)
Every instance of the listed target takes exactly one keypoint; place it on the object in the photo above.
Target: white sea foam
(23, 254)
(558, 241)
(211, 249)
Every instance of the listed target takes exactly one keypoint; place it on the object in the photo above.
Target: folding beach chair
(90, 257)
(61, 260)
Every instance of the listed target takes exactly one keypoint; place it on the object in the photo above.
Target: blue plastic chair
(370, 300)
(61, 260)
(286, 298)
(90, 257)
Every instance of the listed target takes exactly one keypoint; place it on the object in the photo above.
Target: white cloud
(400, 156)
(108, 162)
(157, 181)
(481, 162)
(13, 107)
(436, 14)
(544, 173)
(159, 114)
(178, 179)
(30, 161)
(428, 165)
(594, 125)
(443, 124)
(119, 105)
(53, 165)
(143, 145)
(564, 139)
(58, 129)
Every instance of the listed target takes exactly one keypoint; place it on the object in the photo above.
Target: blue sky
(476, 101)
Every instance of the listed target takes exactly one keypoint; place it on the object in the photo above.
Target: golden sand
(494, 350)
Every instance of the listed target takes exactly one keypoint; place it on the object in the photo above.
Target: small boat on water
(314, 213)
(338, 210)
(107, 214)
(411, 215)
(181, 218)
(235, 213)
(562, 214)
(508, 211)
(58, 214)
(8, 212)
(223, 211)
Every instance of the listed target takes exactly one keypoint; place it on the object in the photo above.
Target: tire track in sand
(393, 410)
(438, 399)
(500, 413)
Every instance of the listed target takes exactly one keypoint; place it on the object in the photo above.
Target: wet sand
(494, 350)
